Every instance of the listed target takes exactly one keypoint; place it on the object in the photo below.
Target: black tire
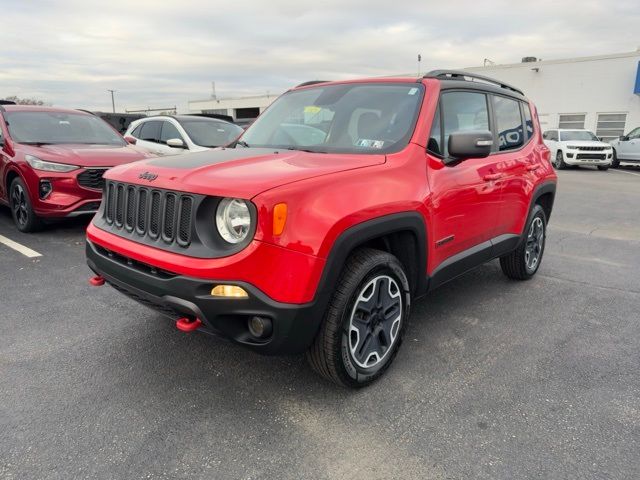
(519, 264)
(615, 163)
(603, 168)
(334, 353)
(21, 210)
(559, 162)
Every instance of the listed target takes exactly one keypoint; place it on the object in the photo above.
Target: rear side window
(508, 123)
(151, 131)
(463, 111)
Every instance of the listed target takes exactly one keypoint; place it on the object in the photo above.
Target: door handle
(493, 176)
(531, 168)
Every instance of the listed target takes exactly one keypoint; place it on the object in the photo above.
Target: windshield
(350, 118)
(211, 133)
(60, 127)
(577, 135)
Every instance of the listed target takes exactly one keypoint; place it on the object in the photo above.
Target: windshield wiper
(242, 143)
(37, 144)
(304, 150)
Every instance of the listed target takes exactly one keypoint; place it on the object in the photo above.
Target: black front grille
(149, 213)
(592, 149)
(590, 156)
(92, 178)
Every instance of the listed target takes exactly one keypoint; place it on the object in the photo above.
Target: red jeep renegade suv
(52, 161)
(339, 206)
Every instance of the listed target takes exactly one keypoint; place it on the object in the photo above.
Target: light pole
(113, 103)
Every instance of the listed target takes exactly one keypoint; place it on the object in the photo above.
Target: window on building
(571, 120)
(217, 111)
(508, 123)
(610, 125)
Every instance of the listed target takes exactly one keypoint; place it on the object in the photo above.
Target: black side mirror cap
(469, 144)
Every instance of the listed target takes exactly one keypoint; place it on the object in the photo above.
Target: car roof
(446, 82)
(182, 118)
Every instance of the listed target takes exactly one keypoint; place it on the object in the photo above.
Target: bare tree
(25, 101)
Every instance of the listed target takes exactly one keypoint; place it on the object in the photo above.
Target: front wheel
(524, 261)
(23, 215)
(615, 163)
(364, 322)
(603, 168)
(559, 162)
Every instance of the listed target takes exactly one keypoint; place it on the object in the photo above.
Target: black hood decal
(210, 157)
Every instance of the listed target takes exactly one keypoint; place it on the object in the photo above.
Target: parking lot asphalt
(495, 379)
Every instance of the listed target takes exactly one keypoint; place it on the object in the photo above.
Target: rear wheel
(23, 215)
(524, 261)
(559, 163)
(364, 322)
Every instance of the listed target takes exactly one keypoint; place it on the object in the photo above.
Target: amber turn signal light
(232, 291)
(279, 218)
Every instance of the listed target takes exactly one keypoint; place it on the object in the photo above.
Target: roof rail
(461, 74)
(311, 82)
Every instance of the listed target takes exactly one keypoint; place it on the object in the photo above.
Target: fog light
(259, 327)
(45, 189)
(232, 291)
(569, 155)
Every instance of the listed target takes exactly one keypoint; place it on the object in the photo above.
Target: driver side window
(462, 111)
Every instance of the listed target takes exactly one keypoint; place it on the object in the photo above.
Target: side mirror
(623, 138)
(470, 144)
(175, 143)
(130, 140)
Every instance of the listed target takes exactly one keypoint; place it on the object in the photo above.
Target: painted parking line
(627, 171)
(26, 251)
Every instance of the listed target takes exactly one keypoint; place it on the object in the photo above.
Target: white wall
(588, 85)
(230, 104)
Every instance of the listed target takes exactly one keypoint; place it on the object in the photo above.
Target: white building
(601, 93)
(239, 108)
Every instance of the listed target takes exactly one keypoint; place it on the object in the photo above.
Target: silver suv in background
(626, 148)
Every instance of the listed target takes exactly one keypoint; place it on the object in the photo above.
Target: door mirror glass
(469, 144)
(175, 143)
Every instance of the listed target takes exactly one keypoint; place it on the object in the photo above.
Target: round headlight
(233, 219)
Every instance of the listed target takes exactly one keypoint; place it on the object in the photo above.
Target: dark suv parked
(338, 207)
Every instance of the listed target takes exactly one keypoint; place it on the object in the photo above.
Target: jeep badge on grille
(148, 176)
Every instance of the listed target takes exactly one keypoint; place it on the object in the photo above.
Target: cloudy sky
(161, 53)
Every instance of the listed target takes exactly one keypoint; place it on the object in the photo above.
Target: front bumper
(580, 157)
(294, 325)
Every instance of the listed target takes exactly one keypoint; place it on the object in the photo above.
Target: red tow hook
(96, 281)
(188, 324)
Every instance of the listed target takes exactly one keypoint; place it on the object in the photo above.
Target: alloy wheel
(375, 321)
(535, 243)
(19, 204)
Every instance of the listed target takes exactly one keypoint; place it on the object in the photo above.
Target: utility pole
(419, 60)
(113, 103)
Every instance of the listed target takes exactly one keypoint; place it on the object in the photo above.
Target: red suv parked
(339, 206)
(52, 161)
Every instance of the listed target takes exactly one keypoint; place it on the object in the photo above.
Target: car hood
(585, 143)
(87, 155)
(237, 172)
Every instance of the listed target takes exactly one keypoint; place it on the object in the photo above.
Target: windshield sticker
(366, 143)
(413, 91)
